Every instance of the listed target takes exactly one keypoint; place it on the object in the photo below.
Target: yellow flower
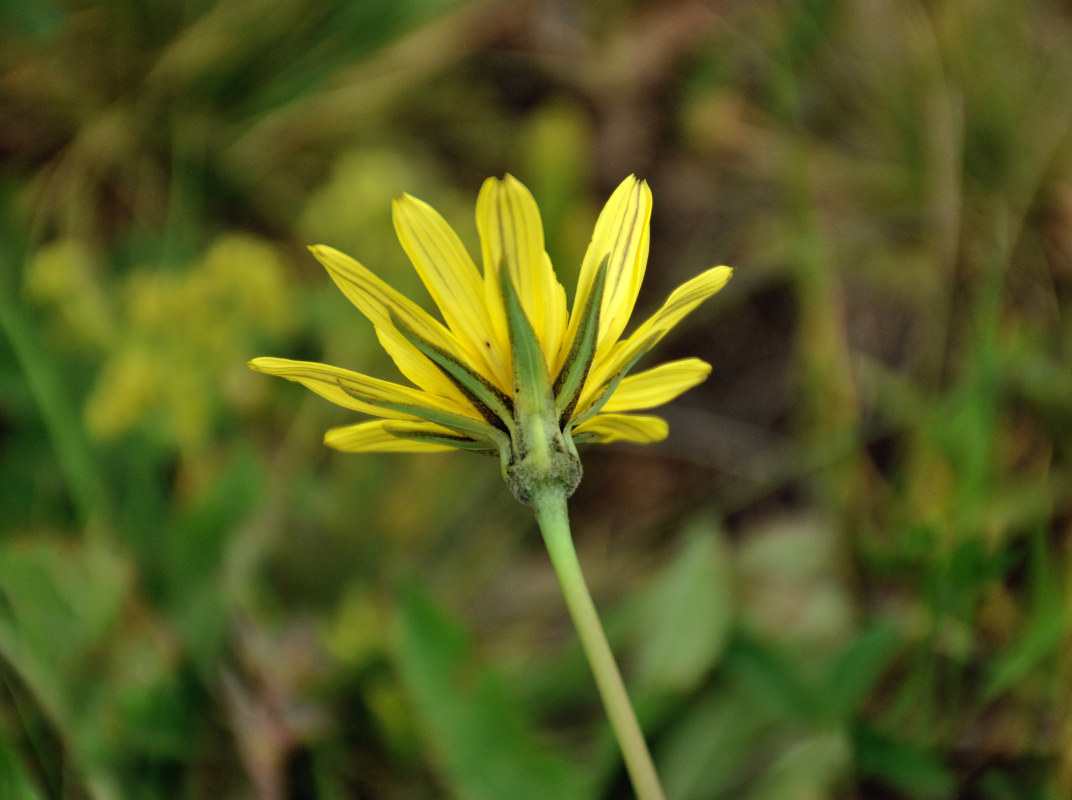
(509, 371)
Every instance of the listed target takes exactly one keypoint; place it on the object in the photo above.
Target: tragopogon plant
(513, 374)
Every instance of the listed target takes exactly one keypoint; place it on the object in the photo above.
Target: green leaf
(15, 784)
(44, 377)
(485, 746)
(909, 769)
(685, 615)
(769, 675)
(59, 605)
(707, 749)
(810, 767)
(1046, 626)
(857, 668)
(189, 561)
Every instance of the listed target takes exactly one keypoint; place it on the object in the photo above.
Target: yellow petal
(331, 382)
(370, 437)
(640, 428)
(377, 301)
(511, 234)
(658, 385)
(452, 279)
(556, 315)
(621, 235)
(681, 302)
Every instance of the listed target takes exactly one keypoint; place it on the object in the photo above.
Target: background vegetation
(845, 574)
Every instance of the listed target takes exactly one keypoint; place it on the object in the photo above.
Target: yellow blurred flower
(61, 274)
(127, 387)
(182, 332)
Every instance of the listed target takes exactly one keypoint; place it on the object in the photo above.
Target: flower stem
(553, 519)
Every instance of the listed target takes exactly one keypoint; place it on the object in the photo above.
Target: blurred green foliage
(844, 575)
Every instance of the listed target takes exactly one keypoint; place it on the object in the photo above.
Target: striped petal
(340, 385)
(681, 302)
(372, 437)
(511, 236)
(657, 386)
(377, 300)
(620, 236)
(454, 282)
(640, 428)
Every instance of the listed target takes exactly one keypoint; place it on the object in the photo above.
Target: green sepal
(459, 442)
(542, 458)
(466, 426)
(570, 380)
(487, 399)
(582, 438)
(532, 382)
(609, 388)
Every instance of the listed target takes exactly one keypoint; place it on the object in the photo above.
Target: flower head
(509, 371)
